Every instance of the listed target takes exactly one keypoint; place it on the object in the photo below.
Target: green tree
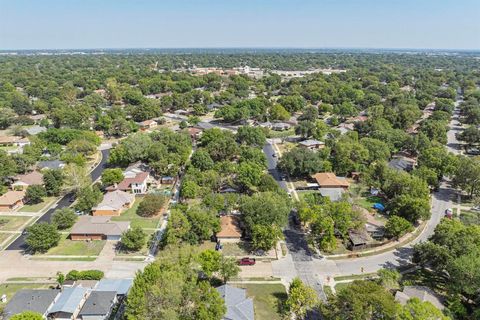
(467, 175)
(35, 194)
(112, 176)
(42, 236)
(265, 237)
(228, 268)
(203, 223)
(397, 226)
(361, 300)
(189, 189)
(76, 177)
(201, 160)
(209, 261)
(252, 136)
(389, 278)
(278, 112)
(133, 239)
(300, 162)
(301, 298)
(53, 180)
(418, 310)
(249, 175)
(64, 218)
(151, 205)
(87, 198)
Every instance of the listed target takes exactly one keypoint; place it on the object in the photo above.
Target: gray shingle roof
(239, 307)
(335, 194)
(120, 286)
(31, 300)
(51, 164)
(98, 303)
(69, 300)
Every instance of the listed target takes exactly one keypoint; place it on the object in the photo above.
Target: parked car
(274, 155)
(246, 261)
(473, 151)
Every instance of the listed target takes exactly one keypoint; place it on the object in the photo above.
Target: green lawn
(340, 286)
(11, 288)
(367, 202)
(67, 247)
(4, 236)
(136, 220)
(268, 300)
(12, 223)
(470, 217)
(36, 207)
(142, 251)
(229, 249)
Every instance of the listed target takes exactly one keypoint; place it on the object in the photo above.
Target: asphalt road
(19, 243)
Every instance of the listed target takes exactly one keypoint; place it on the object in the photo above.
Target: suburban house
(69, 303)
(137, 184)
(148, 124)
(330, 180)
(34, 130)
(229, 229)
(402, 163)
(39, 301)
(8, 140)
(22, 181)
(424, 294)
(312, 144)
(120, 286)
(194, 133)
(281, 126)
(114, 203)
(98, 306)
(167, 180)
(359, 239)
(98, 228)
(237, 303)
(50, 164)
(11, 200)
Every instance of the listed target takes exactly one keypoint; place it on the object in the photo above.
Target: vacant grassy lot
(12, 223)
(11, 288)
(67, 247)
(36, 207)
(229, 249)
(136, 220)
(268, 300)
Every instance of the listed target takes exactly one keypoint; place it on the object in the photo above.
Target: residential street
(19, 243)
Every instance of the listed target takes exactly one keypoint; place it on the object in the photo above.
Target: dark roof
(31, 300)
(98, 303)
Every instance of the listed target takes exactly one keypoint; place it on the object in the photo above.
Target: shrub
(85, 275)
(133, 239)
(151, 205)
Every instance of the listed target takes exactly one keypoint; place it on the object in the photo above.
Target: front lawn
(268, 300)
(36, 207)
(136, 220)
(12, 223)
(67, 247)
(142, 252)
(11, 288)
(470, 217)
(3, 237)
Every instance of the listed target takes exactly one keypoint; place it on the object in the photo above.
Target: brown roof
(11, 197)
(193, 131)
(330, 180)
(8, 139)
(229, 227)
(31, 178)
(99, 225)
(147, 122)
(127, 182)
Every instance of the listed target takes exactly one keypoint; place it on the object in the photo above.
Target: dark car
(246, 262)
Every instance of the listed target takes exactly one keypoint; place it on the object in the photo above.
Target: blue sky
(62, 24)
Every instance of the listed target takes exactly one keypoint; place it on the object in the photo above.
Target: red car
(246, 262)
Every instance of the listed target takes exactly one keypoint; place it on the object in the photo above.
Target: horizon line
(244, 48)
